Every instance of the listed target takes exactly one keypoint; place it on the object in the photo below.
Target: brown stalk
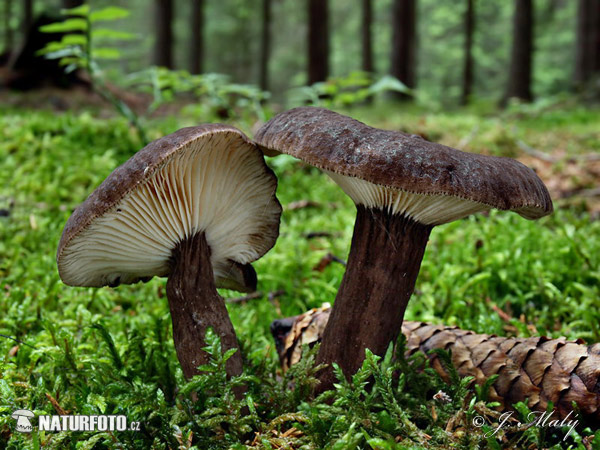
(195, 305)
(384, 261)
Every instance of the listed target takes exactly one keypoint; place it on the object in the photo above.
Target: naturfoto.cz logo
(73, 422)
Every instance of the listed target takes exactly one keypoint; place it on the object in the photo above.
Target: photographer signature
(542, 419)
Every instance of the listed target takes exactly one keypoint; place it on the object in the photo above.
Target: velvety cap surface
(346, 147)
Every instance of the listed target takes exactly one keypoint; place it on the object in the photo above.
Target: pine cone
(538, 368)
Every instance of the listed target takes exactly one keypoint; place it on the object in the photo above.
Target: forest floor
(109, 351)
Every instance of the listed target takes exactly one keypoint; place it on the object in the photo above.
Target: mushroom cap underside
(208, 179)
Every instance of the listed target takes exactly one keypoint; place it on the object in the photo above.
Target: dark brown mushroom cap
(391, 159)
(152, 170)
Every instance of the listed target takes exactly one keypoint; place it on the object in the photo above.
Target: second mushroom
(402, 186)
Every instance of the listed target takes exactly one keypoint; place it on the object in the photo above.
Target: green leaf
(229, 353)
(107, 33)
(98, 401)
(108, 13)
(69, 60)
(65, 52)
(74, 39)
(52, 47)
(5, 390)
(65, 26)
(90, 443)
(250, 404)
(388, 83)
(106, 53)
(36, 441)
(483, 391)
(82, 11)
(71, 67)
(381, 444)
(72, 63)
(112, 348)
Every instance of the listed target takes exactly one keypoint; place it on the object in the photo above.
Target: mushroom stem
(196, 305)
(384, 261)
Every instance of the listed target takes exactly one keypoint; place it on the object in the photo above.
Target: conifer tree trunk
(597, 38)
(265, 45)
(587, 52)
(197, 47)
(164, 34)
(8, 32)
(367, 40)
(468, 62)
(68, 4)
(403, 58)
(318, 41)
(27, 16)
(519, 78)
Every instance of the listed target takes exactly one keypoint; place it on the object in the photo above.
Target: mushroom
(196, 206)
(22, 417)
(402, 186)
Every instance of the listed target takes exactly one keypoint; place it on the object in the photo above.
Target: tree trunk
(403, 58)
(468, 62)
(68, 4)
(519, 79)
(318, 41)
(8, 32)
(597, 36)
(367, 41)
(587, 52)
(197, 47)
(265, 45)
(164, 34)
(27, 16)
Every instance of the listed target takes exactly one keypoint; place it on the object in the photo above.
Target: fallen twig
(317, 234)
(326, 260)
(256, 295)
(301, 204)
(469, 137)
(502, 314)
(594, 192)
(252, 296)
(591, 157)
(526, 148)
(273, 295)
(17, 340)
(59, 409)
(536, 153)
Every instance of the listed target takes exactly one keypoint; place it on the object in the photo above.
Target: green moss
(110, 350)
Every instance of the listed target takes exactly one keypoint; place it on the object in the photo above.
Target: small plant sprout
(197, 206)
(402, 186)
(84, 44)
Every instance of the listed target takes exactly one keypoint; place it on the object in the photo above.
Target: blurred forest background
(450, 52)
